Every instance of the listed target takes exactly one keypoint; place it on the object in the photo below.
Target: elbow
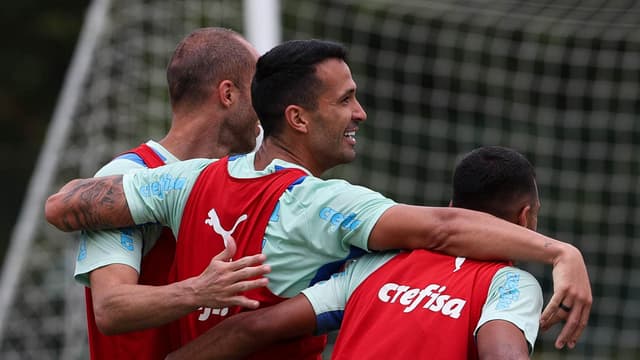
(106, 322)
(58, 209)
(105, 326)
(53, 212)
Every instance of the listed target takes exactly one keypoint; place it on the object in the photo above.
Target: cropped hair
(202, 60)
(286, 75)
(491, 179)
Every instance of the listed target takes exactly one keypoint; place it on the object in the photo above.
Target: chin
(349, 158)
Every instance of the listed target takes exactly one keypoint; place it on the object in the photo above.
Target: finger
(243, 262)
(580, 325)
(567, 334)
(228, 252)
(584, 320)
(242, 286)
(248, 273)
(549, 316)
(245, 302)
(556, 318)
(242, 301)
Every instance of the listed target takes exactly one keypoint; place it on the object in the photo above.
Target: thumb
(229, 251)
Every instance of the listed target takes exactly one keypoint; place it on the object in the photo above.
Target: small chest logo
(214, 222)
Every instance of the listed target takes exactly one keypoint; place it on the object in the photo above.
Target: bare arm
(477, 235)
(96, 203)
(248, 332)
(121, 305)
(501, 340)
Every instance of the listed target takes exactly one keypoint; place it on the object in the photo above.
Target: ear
(523, 216)
(296, 118)
(226, 93)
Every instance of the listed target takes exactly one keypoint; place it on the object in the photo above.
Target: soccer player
(273, 202)
(418, 304)
(209, 79)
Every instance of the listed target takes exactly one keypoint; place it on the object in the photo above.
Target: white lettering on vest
(410, 298)
(207, 312)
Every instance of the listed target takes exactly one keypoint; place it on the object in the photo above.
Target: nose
(359, 114)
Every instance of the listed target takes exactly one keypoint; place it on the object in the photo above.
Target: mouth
(350, 135)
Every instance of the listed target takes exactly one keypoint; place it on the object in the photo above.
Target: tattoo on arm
(97, 203)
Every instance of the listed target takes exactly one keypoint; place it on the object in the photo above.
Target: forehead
(335, 76)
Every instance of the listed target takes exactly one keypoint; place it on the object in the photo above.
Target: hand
(572, 289)
(221, 282)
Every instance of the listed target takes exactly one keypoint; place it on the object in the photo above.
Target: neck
(189, 140)
(274, 148)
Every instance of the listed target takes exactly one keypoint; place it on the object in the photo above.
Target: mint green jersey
(315, 225)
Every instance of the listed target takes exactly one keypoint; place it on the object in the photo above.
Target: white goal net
(557, 80)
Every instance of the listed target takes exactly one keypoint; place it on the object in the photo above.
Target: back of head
(286, 75)
(202, 60)
(495, 180)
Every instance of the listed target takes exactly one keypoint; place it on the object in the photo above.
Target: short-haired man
(209, 77)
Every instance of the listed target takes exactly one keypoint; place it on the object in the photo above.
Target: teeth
(350, 134)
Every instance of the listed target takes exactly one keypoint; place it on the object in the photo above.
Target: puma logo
(214, 221)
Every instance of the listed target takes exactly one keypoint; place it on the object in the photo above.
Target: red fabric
(242, 207)
(152, 343)
(386, 318)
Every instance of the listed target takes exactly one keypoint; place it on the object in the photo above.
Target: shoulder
(513, 276)
(121, 165)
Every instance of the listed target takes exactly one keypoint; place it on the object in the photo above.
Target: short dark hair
(286, 75)
(203, 59)
(493, 179)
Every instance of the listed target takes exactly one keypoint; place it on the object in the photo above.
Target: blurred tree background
(38, 41)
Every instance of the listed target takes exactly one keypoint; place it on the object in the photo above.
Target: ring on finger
(564, 307)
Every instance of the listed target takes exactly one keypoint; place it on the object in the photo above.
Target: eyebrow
(347, 92)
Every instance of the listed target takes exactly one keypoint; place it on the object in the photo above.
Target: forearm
(485, 237)
(130, 307)
(233, 338)
(249, 332)
(461, 232)
(97, 203)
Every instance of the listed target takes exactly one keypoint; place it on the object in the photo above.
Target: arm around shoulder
(96, 203)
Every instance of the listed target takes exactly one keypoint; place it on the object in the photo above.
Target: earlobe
(296, 118)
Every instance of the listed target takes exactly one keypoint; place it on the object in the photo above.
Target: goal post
(30, 216)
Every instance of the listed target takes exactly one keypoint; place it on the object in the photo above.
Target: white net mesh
(556, 80)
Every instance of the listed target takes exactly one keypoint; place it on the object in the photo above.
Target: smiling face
(334, 121)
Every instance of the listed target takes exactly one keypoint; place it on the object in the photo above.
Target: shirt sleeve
(159, 195)
(123, 246)
(329, 298)
(514, 296)
(331, 219)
